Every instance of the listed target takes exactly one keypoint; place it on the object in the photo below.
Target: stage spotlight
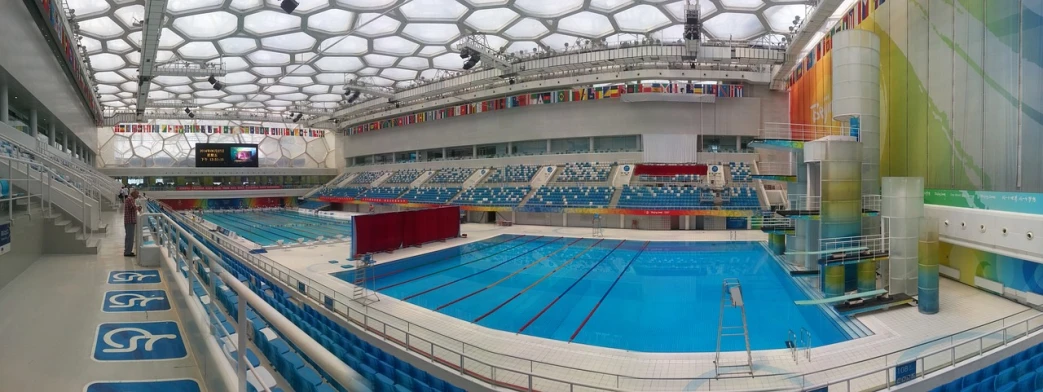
(353, 97)
(471, 62)
(289, 5)
(510, 81)
(187, 111)
(191, 115)
(211, 79)
(298, 118)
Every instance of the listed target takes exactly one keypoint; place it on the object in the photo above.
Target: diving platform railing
(361, 292)
(781, 169)
(870, 203)
(731, 298)
(871, 244)
(802, 132)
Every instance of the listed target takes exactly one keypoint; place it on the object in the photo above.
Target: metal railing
(874, 244)
(802, 132)
(167, 227)
(93, 183)
(931, 362)
(45, 181)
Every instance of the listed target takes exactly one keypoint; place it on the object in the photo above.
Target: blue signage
(134, 277)
(5, 238)
(854, 126)
(905, 372)
(626, 168)
(145, 341)
(135, 301)
(144, 386)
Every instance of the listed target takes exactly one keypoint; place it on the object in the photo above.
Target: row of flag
(69, 49)
(212, 129)
(859, 12)
(550, 97)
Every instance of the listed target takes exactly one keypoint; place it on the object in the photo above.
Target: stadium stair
(614, 201)
(65, 236)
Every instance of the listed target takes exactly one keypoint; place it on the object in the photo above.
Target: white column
(33, 123)
(51, 132)
(856, 94)
(65, 141)
(3, 103)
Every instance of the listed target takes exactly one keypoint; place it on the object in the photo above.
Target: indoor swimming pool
(631, 295)
(266, 228)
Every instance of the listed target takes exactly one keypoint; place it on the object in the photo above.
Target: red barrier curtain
(389, 231)
(669, 170)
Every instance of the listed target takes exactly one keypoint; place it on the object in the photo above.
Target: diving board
(830, 251)
(840, 298)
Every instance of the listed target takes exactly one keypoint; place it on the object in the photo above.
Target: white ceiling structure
(274, 59)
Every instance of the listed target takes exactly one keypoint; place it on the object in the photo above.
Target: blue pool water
(633, 295)
(267, 227)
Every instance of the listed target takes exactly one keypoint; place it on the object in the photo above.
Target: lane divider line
(512, 274)
(476, 273)
(458, 266)
(596, 306)
(545, 308)
(381, 276)
(541, 279)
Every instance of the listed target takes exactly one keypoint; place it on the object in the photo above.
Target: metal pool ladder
(362, 268)
(731, 297)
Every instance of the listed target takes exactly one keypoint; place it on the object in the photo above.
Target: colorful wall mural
(961, 102)
(1018, 274)
(235, 203)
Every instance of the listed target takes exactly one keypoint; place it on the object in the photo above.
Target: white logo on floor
(133, 300)
(132, 345)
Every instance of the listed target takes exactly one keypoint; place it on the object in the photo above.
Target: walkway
(54, 324)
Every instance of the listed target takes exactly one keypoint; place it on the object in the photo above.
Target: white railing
(872, 202)
(802, 132)
(498, 369)
(804, 203)
(882, 376)
(875, 244)
(93, 183)
(47, 188)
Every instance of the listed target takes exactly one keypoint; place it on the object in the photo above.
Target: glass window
(461, 152)
(615, 143)
(529, 147)
(382, 158)
(433, 154)
(406, 156)
(492, 150)
(744, 142)
(570, 146)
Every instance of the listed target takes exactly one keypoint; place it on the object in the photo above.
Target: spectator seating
(669, 197)
(386, 372)
(740, 171)
(1021, 372)
(504, 196)
(343, 192)
(572, 196)
(313, 205)
(434, 194)
(384, 192)
(741, 197)
(366, 178)
(673, 178)
(585, 172)
(519, 173)
(456, 175)
(404, 176)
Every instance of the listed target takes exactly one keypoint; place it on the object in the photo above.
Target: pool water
(266, 228)
(632, 295)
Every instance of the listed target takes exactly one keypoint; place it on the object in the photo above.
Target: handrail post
(241, 346)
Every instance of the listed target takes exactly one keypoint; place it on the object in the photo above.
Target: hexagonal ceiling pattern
(274, 59)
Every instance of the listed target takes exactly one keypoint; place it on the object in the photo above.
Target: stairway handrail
(52, 175)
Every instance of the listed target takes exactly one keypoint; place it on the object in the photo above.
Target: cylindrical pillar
(856, 100)
(866, 276)
(777, 243)
(927, 271)
(51, 132)
(901, 212)
(33, 123)
(4, 104)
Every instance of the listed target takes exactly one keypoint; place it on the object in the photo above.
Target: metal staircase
(731, 298)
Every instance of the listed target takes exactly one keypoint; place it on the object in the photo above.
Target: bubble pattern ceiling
(178, 149)
(274, 59)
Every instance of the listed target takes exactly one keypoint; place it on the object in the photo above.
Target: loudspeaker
(289, 5)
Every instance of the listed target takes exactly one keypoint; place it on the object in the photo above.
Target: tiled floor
(902, 333)
(51, 315)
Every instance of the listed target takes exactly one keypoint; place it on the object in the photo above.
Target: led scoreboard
(226, 155)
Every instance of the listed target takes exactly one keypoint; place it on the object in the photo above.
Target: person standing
(130, 222)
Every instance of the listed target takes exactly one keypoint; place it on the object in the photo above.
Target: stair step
(72, 229)
(62, 222)
(93, 242)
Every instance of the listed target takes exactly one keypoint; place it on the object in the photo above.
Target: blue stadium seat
(306, 381)
(585, 172)
(404, 176)
(506, 196)
(366, 177)
(1023, 367)
(432, 195)
(1027, 382)
(519, 173)
(1006, 376)
(451, 176)
(572, 196)
(384, 384)
(403, 382)
(385, 192)
(973, 387)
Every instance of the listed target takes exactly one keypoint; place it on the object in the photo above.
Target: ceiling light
(289, 5)
(353, 97)
(187, 111)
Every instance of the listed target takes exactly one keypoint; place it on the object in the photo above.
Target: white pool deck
(962, 308)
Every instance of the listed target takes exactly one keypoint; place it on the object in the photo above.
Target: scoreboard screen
(226, 155)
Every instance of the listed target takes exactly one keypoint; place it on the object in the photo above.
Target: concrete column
(65, 141)
(50, 133)
(510, 150)
(33, 123)
(591, 148)
(3, 104)
(903, 210)
(927, 273)
(839, 184)
(443, 154)
(548, 146)
(474, 151)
